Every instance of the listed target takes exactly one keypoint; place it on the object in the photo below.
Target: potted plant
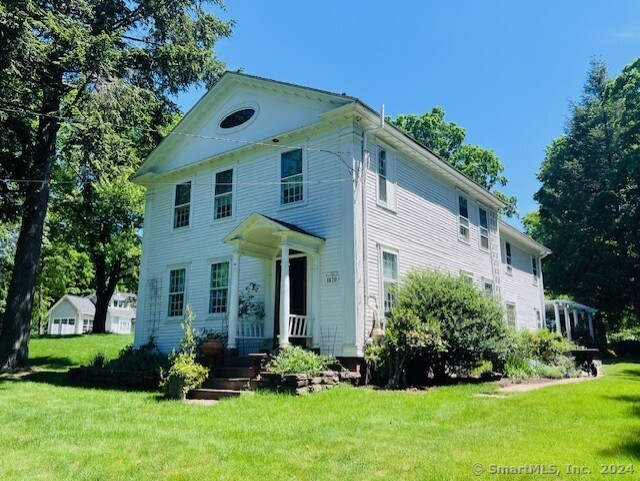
(213, 343)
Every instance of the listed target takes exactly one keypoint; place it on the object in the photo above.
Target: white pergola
(567, 308)
(264, 238)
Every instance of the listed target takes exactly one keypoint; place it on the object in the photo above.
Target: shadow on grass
(51, 362)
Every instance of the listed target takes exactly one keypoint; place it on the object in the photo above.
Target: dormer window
(237, 118)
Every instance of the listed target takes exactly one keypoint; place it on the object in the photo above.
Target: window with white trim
(223, 195)
(177, 290)
(484, 228)
(382, 175)
(534, 269)
(291, 177)
(389, 279)
(463, 218)
(487, 288)
(219, 288)
(386, 196)
(511, 314)
(182, 205)
(538, 318)
(507, 257)
(87, 325)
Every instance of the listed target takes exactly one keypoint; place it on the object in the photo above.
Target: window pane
(389, 266)
(218, 301)
(183, 193)
(223, 206)
(224, 182)
(382, 188)
(176, 280)
(220, 275)
(291, 190)
(382, 163)
(462, 207)
(291, 163)
(483, 219)
(181, 216)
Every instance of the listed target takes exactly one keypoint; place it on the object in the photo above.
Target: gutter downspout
(365, 236)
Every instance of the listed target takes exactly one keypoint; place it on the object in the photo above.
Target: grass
(51, 431)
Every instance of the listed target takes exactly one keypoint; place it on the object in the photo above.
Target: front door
(297, 293)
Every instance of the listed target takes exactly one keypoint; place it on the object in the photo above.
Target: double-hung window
(382, 175)
(467, 276)
(534, 269)
(389, 279)
(487, 288)
(291, 177)
(507, 255)
(484, 229)
(223, 195)
(177, 290)
(182, 205)
(219, 288)
(463, 219)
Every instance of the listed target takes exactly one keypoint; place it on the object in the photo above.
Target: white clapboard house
(74, 315)
(309, 195)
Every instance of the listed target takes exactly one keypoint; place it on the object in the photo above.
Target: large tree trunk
(16, 326)
(105, 287)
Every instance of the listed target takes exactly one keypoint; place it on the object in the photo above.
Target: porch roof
(262, 236)
(569, 304)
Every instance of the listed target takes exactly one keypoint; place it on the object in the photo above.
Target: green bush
(146, 359)
(445, 324)
(100, 360)
(295, 360)
(541, 345)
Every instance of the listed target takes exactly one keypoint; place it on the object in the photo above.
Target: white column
(285, 308)
(590, 318)
(315, 300)
(556, 313)
(576, 319)
(234, 292)
(567, 322)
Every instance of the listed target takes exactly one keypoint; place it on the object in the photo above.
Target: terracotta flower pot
(213, 348)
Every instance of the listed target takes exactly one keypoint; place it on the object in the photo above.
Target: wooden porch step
(234, 372)
(215, 394)
(235, 384)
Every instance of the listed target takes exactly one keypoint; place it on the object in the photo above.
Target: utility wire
(76, 122)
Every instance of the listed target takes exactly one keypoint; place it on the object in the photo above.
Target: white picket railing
(300, 326)
(250, 329)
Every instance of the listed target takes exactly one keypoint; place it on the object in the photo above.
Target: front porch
(567, 317)
(290, 261)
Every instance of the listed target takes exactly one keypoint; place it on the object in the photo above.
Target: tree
(589, 202)
(446, 139)
(53, 57)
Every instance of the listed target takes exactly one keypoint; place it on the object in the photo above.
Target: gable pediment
(277, 108)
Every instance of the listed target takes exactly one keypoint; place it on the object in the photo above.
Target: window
(177, 282)
(219, 288)
(538, 318)
(382, 175)
(463, 219)
(467, 276)
(291, 177)
(182, 208)
(237, 118)
(507, 255)
(87, 325)
(484, 229)
(389, 279)
(511, 314)
(534, 269)
(223, 195)
(487, 288)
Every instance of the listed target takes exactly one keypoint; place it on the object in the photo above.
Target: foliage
(295, 360)
(183, 363)
(111, 68)
(146, 359)
(100, 360)
(445, 323)
(589, 199)
(248, 307)
(630, 334)
(446, 139)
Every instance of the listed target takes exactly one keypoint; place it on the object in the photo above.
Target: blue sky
(504, 70)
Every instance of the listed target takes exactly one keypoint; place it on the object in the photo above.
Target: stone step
(215, 394)
(234, 372)
(235, 384)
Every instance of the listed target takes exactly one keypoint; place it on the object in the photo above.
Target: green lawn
(51, 431)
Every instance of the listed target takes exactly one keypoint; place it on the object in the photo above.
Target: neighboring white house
(311, 196)
(74, 315)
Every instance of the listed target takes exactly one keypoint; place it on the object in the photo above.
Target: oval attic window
(237, 118)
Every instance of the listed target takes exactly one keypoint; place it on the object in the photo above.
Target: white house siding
(256, 189)
(518, 287)
(65, 310)
(424, 228)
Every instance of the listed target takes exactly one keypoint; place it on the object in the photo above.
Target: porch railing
(300, 326)
(250, 329)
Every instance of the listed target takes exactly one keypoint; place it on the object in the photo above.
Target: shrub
(541, 345)
(147, 359)
(99, 360)
(446, 324)
(295, 360)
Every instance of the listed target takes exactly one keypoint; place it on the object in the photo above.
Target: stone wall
(302, 384)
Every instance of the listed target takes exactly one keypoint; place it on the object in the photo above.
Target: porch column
(567, 321)
(234, 291)
(576, 319)
(285, 308)
(591, 332)
(556, 313)
(315, 294)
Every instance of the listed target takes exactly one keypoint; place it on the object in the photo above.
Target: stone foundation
(301, 384)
